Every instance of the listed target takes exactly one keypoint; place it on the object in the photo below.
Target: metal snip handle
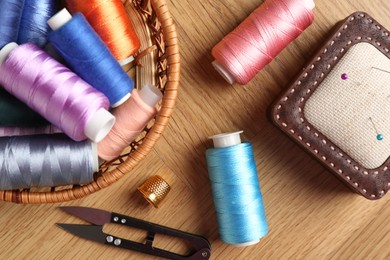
(199, 243)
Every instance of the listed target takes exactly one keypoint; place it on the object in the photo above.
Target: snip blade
(94, 216)
(94, 233)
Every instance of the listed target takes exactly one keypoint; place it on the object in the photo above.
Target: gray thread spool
(45, 161)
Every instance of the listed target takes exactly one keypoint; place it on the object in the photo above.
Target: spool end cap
(224, 73)
(150, 94)
(59, 19)
(226, 139)
(6, 50)
(126, 61)
(121, 101)
(309, 4)
(99, 125)
(95, 157)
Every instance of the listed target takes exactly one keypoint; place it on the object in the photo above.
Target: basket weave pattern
(163, 34)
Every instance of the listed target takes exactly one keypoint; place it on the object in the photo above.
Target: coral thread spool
(260, 37)
(131, 118)
(110, 20)
(40, 82)
(154, 190)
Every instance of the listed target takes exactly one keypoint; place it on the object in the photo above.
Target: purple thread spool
(55, 92)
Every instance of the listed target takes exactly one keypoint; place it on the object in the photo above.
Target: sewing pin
(379, 136)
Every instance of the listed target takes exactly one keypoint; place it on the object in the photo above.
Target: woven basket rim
(172, 56)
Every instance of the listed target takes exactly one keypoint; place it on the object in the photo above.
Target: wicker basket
(158, 63)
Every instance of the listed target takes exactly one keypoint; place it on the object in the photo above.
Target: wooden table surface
(311, 214)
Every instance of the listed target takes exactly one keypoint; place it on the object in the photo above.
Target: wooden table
(311, 214)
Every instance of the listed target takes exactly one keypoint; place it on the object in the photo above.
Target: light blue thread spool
(236, 190)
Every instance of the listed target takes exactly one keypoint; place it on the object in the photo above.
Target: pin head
(379, 137)
(344, 76)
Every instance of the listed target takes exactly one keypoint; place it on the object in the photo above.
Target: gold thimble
(154, 190)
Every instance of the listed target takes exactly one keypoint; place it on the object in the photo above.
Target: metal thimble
(154, 190)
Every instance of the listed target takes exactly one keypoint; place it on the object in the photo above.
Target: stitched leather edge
(287, 110)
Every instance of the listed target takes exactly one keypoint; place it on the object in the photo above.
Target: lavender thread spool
(55, 92)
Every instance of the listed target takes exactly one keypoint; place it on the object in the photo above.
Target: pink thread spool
(131, 118)
(55, 92)
(241, 54)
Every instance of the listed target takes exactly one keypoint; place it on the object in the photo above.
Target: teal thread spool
(236, 190)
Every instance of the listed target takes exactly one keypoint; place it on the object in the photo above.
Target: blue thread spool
(88, 56)
(10, 17)
(33, 25)
(236, 190)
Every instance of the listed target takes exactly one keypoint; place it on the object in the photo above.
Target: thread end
(59, 19)
(224, 73)
(226, 139)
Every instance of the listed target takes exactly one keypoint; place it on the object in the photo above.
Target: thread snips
(200, 246)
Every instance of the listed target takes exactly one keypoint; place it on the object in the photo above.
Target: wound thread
(241, 54)
(236, 191)
(55, 92)
(88, 56)
(131, 119)
(33, 26)
(111, 21)
(15, 113)
(21, 131)
(45, 161)
(10, 17)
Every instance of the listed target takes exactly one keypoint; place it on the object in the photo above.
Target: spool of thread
(55, 92)
(88, 56)
(110, 20)
(33, 26)
(10, 17)
(15, 113)
(53, 160)
(20, 131)
(131, 119)
(154, 190)
(241, 54)
(236, 190)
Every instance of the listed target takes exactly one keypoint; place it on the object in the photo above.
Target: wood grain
(311, 214)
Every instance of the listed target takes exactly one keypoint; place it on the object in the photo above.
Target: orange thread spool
(110, 20)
